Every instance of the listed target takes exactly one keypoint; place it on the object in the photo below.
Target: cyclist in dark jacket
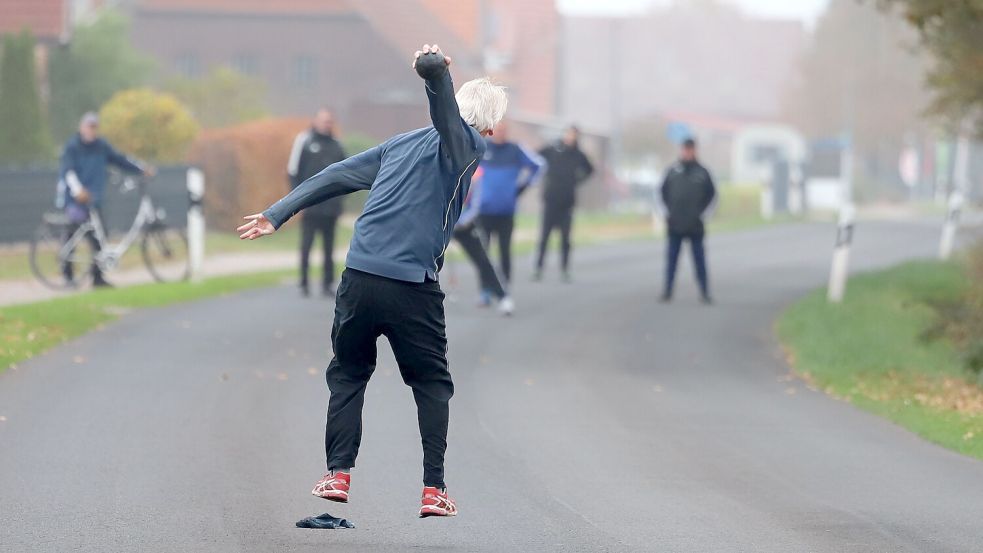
(567, 168)
(84, 171)
(687, 193)
(313, 150)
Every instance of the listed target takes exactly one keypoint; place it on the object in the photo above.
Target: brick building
(354, 55)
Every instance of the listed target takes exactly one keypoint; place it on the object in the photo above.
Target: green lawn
(29, 329)
(874, 351)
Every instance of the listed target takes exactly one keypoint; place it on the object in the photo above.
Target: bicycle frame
(108, 256)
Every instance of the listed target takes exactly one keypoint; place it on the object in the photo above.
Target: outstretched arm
(355, 173)
(455, 136)
(126, 164)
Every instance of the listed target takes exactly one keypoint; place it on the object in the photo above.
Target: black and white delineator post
(951, 224)
(841, 254)
(955, 204)
(196, 223)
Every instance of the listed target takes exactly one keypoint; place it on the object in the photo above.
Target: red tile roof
(249, 6)
(47, 19)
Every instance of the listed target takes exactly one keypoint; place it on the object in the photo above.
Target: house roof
(405, 24)
(47, 19)
(261, 7)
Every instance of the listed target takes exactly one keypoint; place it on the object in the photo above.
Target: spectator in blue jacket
(84, 171)
(417, 182)
(509, 169)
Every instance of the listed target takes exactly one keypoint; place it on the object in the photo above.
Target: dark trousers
(500, 226)
(468, 238)
(67, 269)
(699, 261)
(561, 219)
(411, 316)
(310, 227)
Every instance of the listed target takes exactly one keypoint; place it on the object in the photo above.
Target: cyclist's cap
(90, 118)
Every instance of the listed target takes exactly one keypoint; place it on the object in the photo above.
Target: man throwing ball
(417, 183)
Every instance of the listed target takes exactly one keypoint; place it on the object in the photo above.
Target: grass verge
(874, 351)
(29, 329)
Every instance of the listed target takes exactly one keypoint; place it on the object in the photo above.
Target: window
(247, 64)
(187, 65)
(303, 72)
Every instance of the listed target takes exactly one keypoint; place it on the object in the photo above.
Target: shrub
(245, 166)
(149, 125)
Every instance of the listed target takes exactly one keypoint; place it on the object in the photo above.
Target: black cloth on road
(687, 192)
(309, 229)
(411, 316)
(561, 219)
(324, 521)
(500, 226)
(469, 240)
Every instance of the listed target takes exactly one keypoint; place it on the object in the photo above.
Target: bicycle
(63, 251)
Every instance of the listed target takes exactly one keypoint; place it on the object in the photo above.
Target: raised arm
(355, 173)
(455, 135)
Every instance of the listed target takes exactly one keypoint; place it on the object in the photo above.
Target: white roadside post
(841, 254)
(955, 204)
(196, 223)
(951, 225)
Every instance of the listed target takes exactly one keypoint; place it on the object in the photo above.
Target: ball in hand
(431, 66)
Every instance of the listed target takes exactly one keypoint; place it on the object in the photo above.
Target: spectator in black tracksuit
(567, 168)
(687, 194)
(313, 150)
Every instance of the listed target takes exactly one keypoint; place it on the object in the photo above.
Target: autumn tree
(150, 125)
(952, 32)
(23, 135)
(97, 63)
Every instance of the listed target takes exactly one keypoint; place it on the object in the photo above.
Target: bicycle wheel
(165, 252)
(58, 259)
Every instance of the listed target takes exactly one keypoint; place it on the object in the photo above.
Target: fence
(25, 194)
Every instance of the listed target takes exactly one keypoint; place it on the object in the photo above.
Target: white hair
(482, 103)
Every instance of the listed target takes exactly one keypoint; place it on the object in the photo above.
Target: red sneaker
(333, 487)
(437, 504)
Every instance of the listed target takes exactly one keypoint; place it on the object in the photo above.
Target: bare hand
(427, 49)
(257, 226)
(150, 171)
(83, 197)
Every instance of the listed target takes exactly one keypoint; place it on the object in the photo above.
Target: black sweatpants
(310, 227)
(556, 218)
(468, 238)
(411, 316)
(501, 226)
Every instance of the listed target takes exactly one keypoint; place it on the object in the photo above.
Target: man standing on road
(568, 167)
(508, 170)
(687, 193)
(417, 182)
(313, 150)
(84, 171)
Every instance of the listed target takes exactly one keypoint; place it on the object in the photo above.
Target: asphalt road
(594, 420)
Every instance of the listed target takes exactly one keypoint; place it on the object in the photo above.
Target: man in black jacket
(566, 168)
(313, 150)
(687, 193)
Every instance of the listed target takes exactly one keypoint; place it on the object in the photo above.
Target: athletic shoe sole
(433, 511)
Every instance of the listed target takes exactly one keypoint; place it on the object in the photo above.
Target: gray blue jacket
(417, 183)
(89, 163)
